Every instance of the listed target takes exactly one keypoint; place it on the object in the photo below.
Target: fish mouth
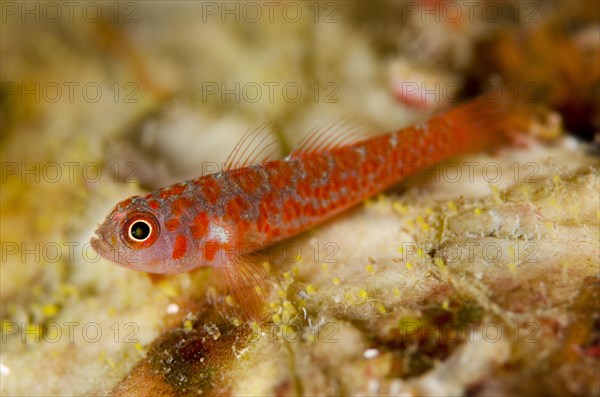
(100, 245)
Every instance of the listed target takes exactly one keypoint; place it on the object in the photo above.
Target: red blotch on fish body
(211, 189)
(262, 222)
(280, 175)
(304, 189)
(322, 192)
(153, 204)
(290, 210)
(209, 250)
(367, 168)
(172, 224)
(200, 225)
(243, 227)
(347, 160)
(235, 207)
(180, 205)
(343, 199)
(172, 191)
(248, 181)
(325, 166)
(267, 204)
(309, 210)
(124, 204)
(180, 247)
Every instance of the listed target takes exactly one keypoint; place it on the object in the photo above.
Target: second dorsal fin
(344, 131)
(256, 146)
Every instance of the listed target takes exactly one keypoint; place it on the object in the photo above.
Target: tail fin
(481, 123)
(477, 125)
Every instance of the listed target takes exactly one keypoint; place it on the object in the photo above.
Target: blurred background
(103, 100)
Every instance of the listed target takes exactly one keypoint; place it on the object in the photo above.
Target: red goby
(214, 220)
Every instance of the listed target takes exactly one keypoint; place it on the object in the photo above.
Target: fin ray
(344, 131)
(245, 282)
(251, 147)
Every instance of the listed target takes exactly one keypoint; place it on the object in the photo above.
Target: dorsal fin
(255, 146)
(344, 131)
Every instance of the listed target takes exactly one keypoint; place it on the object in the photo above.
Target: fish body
(216, 219)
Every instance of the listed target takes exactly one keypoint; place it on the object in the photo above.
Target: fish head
(134, 235)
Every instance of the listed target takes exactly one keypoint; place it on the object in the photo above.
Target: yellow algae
(50, 310)
(557, 181)
(525, 191)
(286, 316)
(421, 222)
(380, 308)
(349, 298)
(369, 269)
(439, 262)
(52, 333)
(289, 332)
(400, 208)
(363, 294)
(287, 305)
(110, 361)
(32, 332)
(477, 211)
(409, 324)
(335, 281)
(445, 304)
(496, 195)
(188, 325)
(266, 266)
(168, 289)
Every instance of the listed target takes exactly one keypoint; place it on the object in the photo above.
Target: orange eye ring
(140, 230)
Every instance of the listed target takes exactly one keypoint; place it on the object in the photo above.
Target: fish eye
(140, 230)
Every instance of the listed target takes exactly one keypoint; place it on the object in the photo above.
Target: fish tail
(483, 123)
(477, 125)
(474, 126)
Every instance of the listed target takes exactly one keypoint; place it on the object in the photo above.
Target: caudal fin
(482, 123)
